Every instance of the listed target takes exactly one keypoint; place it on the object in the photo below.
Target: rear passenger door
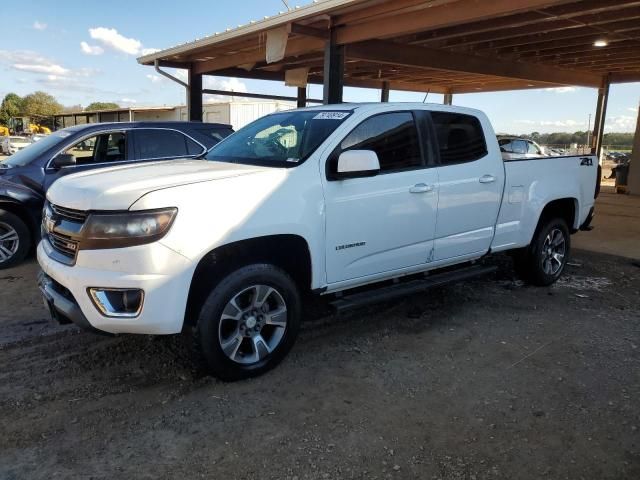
(470, 187)
(164, 144)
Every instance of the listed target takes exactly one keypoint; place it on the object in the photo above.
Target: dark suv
(26, 175)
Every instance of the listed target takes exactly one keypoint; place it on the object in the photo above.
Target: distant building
(235, 113)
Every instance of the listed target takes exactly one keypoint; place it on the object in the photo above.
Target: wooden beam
(561, 29)
(543, 20)
(528, 38)
(306, 31)
(392, 53)
(624, 77)
(438, 16)
(295, 46)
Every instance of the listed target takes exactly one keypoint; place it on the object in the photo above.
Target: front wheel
(248, 323)
(15, 240)
(544, 261)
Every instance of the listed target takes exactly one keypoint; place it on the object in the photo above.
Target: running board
(391, 292)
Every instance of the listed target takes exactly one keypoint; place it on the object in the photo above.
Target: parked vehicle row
(29, 172)
(13, 144)
(319, 201)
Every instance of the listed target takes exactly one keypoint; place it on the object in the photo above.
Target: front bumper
(164, 276)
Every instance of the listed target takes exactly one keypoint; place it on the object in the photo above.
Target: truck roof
(373, 106)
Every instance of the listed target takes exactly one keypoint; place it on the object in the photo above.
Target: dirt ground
(485, 379)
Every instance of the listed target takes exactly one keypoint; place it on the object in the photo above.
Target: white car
(39, 136)
(13, 144)
(513, 148)
(311, 201)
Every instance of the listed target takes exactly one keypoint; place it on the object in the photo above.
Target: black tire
(530, 262)
(10, 221)
(207, 337)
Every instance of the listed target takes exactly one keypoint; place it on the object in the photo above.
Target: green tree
(11, 107)
(40, 104)
(92, 107)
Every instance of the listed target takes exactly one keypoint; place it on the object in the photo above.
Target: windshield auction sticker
(331, 115)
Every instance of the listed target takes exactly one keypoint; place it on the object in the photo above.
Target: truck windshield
(33, 151)
(283, 139)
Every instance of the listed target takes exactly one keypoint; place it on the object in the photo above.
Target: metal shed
(443, 46)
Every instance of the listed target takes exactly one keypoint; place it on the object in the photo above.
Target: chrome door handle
(421, 188)
(487, 179)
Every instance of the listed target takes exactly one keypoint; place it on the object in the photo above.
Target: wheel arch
(22, 212)
(287, 251)
(566, 208)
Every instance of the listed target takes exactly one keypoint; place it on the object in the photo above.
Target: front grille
(76, 216)
(63, 244)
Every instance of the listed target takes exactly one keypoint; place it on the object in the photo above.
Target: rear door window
(158, 143)
(216, 134)
(460, 137)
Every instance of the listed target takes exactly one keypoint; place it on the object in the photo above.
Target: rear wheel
(544, 260)
(248, 322)
(15, 240)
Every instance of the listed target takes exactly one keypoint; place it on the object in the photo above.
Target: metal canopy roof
(445, 46)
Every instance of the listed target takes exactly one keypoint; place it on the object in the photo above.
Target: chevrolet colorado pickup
(316, 200)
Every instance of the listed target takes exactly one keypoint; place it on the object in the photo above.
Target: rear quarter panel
(532, 184)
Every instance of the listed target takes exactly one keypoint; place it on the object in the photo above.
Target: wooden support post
(302, 97)
(333, 71)
(384, 92)
(194, 96)
(633, 181)
(448, 99)
(601, 114)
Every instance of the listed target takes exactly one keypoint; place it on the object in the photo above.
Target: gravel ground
(484, 379)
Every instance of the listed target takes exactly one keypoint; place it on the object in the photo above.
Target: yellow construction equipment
(35, 128)
(4, 131)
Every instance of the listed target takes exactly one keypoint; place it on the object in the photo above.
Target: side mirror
(358, 163)
(64, 160)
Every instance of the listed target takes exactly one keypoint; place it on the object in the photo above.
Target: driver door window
(103, 148)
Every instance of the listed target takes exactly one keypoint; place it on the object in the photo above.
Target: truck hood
(117, 188)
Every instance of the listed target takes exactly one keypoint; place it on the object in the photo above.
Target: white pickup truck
(316, 200)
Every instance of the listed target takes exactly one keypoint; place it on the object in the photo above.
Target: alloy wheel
(9, 242)
(252, 324)
(553, 252)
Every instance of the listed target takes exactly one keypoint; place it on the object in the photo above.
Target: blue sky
(84, 51)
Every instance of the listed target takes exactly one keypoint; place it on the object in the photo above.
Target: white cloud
(39, 25)
(227, 84)
(154, 78)
(149, 51)
(91, 49)
(50, 69)
(110, 37)
(633, 109)
(622, 123)
(553, 123)
(561, 89)
(129, 101)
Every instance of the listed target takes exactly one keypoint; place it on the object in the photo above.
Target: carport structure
(441, 46)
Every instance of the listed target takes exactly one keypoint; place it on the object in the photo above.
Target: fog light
(117, 302)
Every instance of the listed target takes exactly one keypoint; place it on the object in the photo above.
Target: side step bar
(390, 292)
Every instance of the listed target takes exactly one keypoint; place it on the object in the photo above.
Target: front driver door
(385, 222)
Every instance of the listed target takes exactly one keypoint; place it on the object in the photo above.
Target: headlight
(126, 229)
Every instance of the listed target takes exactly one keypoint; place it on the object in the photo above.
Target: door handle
(421, 188)
(487, 179)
